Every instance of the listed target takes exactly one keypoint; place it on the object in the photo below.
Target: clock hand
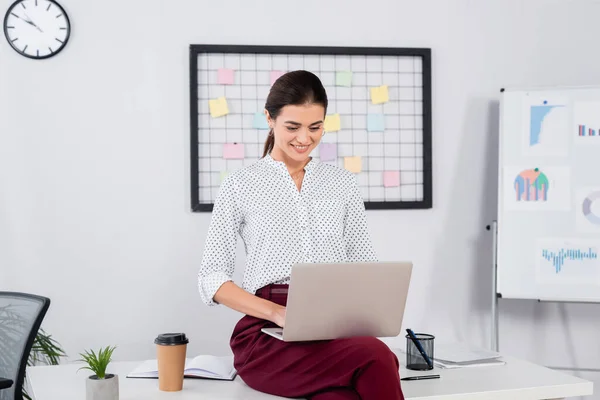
(29, 21)
(32, 24)
(23, 19)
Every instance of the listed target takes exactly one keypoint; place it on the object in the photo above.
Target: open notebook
(203, 366)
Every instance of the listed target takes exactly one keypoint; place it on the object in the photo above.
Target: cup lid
(171, 339)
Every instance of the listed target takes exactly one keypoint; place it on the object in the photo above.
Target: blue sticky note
(260, 121)
(375, 123)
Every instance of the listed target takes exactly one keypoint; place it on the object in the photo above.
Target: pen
(419, 347)
(418, 378)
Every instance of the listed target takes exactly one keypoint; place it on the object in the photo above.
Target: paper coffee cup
(171, 351)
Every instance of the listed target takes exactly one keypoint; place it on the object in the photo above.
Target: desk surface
(5, 383)
(517, 380)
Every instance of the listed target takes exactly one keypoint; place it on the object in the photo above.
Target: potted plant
(45, 350)
(100, 386)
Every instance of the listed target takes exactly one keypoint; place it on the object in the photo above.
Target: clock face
(37, 28)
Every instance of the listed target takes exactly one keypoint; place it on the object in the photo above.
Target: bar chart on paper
(558, 258)
(564, 260)
(586, 117)
(539, 113)
(546, 119)
(586, 131)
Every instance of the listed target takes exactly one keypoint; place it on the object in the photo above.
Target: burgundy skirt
(349, 368)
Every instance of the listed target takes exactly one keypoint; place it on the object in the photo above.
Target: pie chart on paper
(586, 208)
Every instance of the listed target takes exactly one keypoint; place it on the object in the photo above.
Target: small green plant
(97, 363)
(45, 349)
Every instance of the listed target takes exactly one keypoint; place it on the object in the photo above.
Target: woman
(288, 208)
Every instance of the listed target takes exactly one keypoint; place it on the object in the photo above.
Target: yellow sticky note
(380, 94)
(353, 164)
(218, 107)
(332, 123)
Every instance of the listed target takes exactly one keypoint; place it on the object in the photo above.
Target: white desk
(63, 382)
(517, 380)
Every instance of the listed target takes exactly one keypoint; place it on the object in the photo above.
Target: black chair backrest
(21, 315)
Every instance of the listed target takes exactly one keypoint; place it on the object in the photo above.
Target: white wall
(94, 205)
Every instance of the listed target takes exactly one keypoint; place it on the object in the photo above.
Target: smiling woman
(295, 110)
(37, 29)
(290, 208)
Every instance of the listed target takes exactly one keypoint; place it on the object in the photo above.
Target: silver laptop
(331, 301)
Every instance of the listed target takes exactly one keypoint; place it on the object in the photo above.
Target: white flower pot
(102, 389)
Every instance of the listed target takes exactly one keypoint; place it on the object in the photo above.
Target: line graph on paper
(564, 260)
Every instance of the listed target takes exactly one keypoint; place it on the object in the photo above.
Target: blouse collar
(280, 165)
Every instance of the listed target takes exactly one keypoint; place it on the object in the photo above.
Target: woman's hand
(279, 315)
(238, 299)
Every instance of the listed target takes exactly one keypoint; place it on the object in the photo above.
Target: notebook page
(148, 368)
(221, 366)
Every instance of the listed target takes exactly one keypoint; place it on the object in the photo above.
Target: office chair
(21, 315)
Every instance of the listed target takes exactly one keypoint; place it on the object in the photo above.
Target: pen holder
(414, 359)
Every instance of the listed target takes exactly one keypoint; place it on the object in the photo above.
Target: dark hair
(293, 88)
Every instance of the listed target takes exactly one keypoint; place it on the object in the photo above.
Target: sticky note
(391, 178)
(224, 175)
(260, 121)
(343, 78)
(379, 94)
(375, 123)
(218, 107)
(225, 76)
(233, 150)
(275, 75)
(332, 123)
(328, 151)
(353, 164)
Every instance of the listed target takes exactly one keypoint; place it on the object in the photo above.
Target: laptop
(337, 300)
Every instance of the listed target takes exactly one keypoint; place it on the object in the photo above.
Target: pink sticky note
(233, 150)
(391, 178)
(328, 151)
(275, 75)
(225, 76)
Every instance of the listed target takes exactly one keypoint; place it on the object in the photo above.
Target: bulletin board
(378, 122)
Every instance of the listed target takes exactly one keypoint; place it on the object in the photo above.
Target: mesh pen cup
(414, 359)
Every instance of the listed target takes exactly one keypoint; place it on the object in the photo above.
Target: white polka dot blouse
(280, 226)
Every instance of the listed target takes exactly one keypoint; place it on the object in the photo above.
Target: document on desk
(203, 366)
(468, 364)
(459, 355)
(460, 352)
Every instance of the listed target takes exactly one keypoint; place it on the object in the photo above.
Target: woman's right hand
(236, 298)
(279, 315)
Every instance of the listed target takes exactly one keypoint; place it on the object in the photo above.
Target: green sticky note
(224, 175)
(343, 78)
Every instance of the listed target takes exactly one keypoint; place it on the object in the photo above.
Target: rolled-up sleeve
(218, 260)
(359, 247)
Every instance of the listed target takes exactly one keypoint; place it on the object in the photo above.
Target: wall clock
(37, 29)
